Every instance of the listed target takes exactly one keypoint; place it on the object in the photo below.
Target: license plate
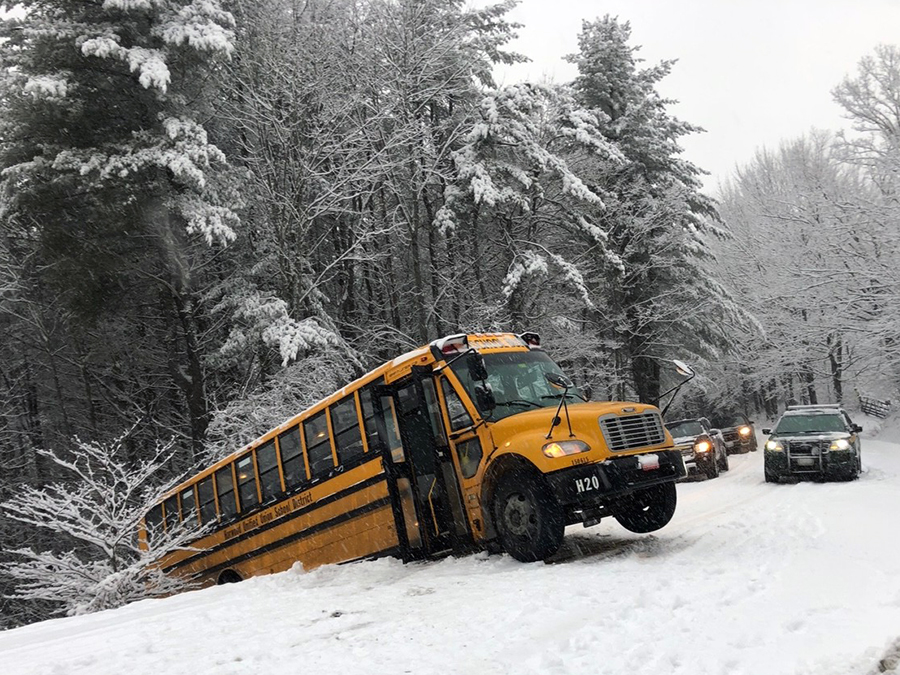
(648, 462)
(729, 444)
(805, 461)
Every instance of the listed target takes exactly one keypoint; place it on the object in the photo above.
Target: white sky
(752, 73)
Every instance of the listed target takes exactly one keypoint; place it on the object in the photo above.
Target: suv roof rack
(828, 406)
(814, 405)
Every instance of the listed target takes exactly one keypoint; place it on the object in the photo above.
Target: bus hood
(584, 417)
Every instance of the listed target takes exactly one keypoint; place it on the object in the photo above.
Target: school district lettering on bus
(468, 442)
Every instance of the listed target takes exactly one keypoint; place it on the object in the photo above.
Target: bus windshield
(518, 381)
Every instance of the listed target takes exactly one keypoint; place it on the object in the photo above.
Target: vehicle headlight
(563, 448)
(774, 446)
(840, 444)
(744, 431)
(702, 446)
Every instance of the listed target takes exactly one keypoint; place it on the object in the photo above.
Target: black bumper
(595, 483)
(833, 464)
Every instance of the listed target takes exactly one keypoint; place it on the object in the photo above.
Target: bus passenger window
(292, 458)
(207, 499)
(172, 517)
(345, 423)
(267, 461)
(189, 508)
(459, 418)
(153, 523)
(318, 447)
(246, 482)
(225, 488)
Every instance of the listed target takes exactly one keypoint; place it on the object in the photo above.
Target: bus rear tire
(228, 577)
(648, 509)
(529, 521)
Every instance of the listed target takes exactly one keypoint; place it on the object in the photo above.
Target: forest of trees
(213, 212)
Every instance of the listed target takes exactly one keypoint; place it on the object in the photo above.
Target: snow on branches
(94, 513)
(202, 25)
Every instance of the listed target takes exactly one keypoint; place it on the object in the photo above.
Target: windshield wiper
(520, 401)
(560, 395)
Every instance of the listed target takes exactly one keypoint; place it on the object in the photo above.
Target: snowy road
(749, 578)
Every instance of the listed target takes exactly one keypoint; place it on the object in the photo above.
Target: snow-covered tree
(109, 177)
(93, 516)
(658, 299)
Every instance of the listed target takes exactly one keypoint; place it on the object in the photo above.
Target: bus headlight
(702, 446)
(744, 431)
(563, 448)
(774, 446)
(840, 444)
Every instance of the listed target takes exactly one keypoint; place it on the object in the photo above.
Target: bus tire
(648, 509)
(527, 518)
(228, 577)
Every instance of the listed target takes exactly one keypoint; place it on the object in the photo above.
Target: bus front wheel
(528, 519)
(647, 510)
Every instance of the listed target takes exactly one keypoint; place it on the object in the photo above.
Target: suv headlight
(563, 448)
(774, 446)
(702, 446)
(744, 431)
(840, 444)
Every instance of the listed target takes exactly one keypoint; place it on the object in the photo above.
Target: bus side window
(153, 523)
(469, 454)
(189, 508)
(459, 418)
(172, 517)
(345, 423)
(267, 461)
(207, 498)
(318, 447)
(292, 458)
(247, 482)
(225, 489)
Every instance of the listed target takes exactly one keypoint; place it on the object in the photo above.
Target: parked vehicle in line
(738, 432)
(813, 441)
(702, 446)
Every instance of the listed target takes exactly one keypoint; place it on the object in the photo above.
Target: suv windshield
(809, 424)
(686, 428)
(518, 381)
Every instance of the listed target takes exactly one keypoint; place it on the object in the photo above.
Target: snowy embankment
(749, 578)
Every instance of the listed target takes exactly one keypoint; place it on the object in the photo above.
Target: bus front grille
(632, 431)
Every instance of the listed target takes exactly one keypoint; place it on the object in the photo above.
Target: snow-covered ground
(749, 578)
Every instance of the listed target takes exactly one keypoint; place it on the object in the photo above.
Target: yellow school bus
(469, 442)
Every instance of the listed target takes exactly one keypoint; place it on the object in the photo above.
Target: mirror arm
(673, 389)
(562, 404)
(453, 360)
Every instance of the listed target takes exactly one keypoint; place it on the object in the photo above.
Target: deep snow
(749, 578)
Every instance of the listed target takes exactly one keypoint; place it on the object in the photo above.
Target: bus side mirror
(484, 397)
(477, 369)
(767, 431)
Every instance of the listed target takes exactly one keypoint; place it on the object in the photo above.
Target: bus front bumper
(593, 484)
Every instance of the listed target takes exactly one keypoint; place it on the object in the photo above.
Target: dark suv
(701, 446)
(738, 432)
(813, 441)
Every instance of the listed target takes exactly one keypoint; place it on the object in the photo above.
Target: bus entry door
(426, 457)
